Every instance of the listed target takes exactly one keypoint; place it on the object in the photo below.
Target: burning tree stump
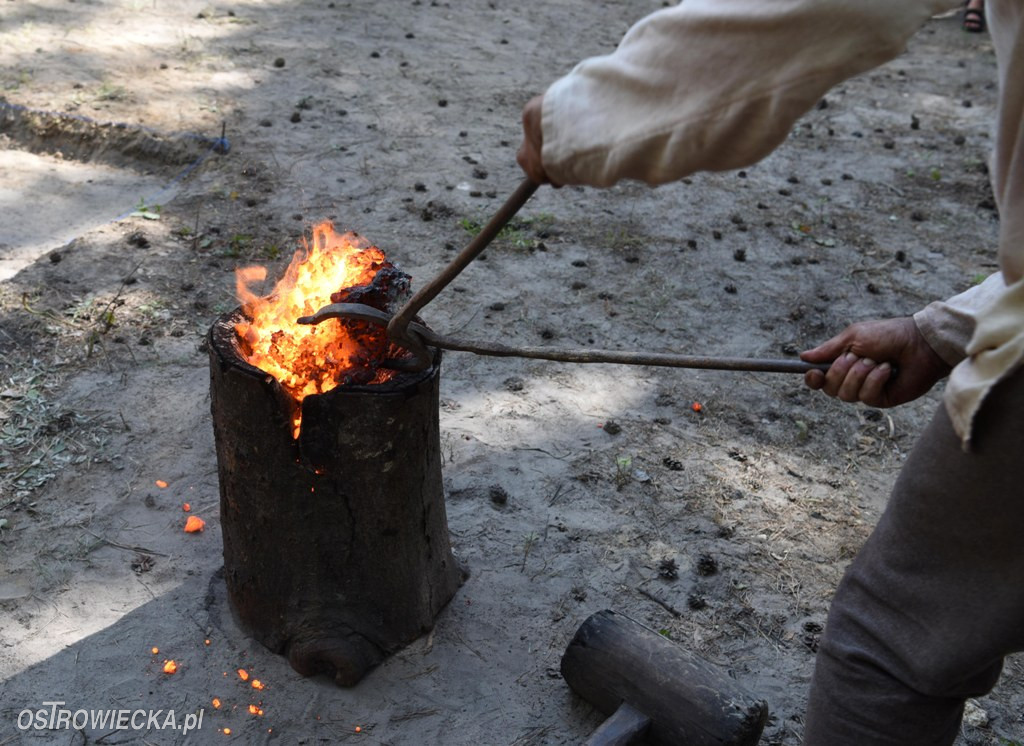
(336, 548)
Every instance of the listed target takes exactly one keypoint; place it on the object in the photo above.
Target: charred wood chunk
(388, 286)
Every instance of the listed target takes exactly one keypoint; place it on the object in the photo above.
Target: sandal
(974, 20)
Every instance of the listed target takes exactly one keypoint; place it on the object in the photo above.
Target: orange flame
(307, 359)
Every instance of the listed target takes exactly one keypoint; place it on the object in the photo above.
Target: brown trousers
(935, 599)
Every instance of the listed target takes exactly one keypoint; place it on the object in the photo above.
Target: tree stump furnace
(336, 549)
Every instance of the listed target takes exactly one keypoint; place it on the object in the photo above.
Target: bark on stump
(336, 549)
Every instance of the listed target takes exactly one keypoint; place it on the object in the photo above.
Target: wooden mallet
(656, 691)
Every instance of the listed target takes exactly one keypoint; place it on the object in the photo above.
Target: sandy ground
(91, 194)
(400, 120)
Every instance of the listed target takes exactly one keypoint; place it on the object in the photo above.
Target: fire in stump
(336, 548)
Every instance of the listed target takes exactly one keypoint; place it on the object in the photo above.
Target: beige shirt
(718, 84)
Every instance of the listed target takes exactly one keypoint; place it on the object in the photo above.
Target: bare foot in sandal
(974, 16)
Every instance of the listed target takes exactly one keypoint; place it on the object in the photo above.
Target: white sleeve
(948, 325)
(713, 84)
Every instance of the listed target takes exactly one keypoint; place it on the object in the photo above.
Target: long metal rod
(422, 337)
(400, 323)
(621, 357)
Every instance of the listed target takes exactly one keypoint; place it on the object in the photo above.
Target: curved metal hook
(414, 339)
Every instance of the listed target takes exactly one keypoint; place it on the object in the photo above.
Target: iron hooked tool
(417, 338)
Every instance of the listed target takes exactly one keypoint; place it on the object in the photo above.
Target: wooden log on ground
(614, 660)
(336, 547)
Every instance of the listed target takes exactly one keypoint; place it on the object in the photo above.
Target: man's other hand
(529, 153)
(879, 363)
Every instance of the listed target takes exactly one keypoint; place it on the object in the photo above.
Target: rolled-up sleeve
(948, 325)
(712, 84)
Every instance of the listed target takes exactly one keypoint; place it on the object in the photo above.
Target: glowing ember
(315, 359)
(187, 507)
(243, 674)
(170, 667)
(254, 710)
(257, 684)
(227, 731)
(216, 703)
(194, 524)
(161, 483)
(156, 650)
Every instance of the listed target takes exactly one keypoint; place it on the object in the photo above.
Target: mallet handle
(626, 725)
